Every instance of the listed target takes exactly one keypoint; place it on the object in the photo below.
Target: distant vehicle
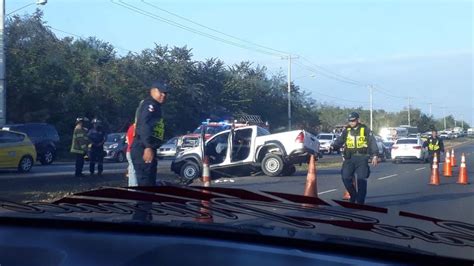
(44, 136)
(470, 132)
(446, 135)
(115, 147)
(409, 149)
(410, 129)
(381, 148)
(247, 149)
(16, 151)
(168, 150)
(393, 133)
(388, 148)
(326, 140)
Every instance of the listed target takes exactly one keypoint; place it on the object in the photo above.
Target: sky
(416, 51)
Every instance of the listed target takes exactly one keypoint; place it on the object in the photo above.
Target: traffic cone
(206, 172)
(453, 158)
(463, 171)
(447, 170)
(311, 188)
(434, 179)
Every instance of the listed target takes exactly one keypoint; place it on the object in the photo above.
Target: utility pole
(431, 107)
(371, 99)
(444, 115)
(289, 57)
(409, 111)
(3, 92)
(3, 89)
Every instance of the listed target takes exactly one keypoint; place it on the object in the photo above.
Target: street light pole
(409, 112)
(371, 107)
(431, 111)
(289, 57)
(3, 97)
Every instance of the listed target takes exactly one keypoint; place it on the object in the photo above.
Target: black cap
(353, 116)
(161, 86)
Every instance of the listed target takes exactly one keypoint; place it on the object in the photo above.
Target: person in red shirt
(132, 178)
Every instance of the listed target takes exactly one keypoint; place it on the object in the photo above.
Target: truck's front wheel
(272, 165)
(189, 171)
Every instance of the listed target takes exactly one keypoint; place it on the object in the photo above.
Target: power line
(214, 30)
(181, 26)
(332, 73)
(313, 70)
(82, 37)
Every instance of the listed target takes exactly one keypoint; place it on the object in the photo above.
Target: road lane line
(418, 169)
(327, 191)
(385, 177)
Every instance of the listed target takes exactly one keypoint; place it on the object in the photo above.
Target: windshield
(325, 137)
(407, 141)
(114, 138)
(279, 86)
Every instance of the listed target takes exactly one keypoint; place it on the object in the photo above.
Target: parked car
(168, 150)
(409, 149)
(115, 147)
(44, 136)
(250, 147)
(326, 140)
(16, 151)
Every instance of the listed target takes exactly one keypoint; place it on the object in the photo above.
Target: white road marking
(418, 169)
(327, 191)
(385, 177)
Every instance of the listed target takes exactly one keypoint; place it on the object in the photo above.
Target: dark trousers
(96, 156)
(356, 166)
(79, 164)
(145, 172)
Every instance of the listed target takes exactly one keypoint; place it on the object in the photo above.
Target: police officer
(97, 139)
(149, 135)
(359, 145)
(79, 145)
(435, 145)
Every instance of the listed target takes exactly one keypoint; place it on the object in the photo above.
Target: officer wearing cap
(149, 134)
(79, 145)
(359, 145)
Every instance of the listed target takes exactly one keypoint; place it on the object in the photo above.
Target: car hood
(272, 214)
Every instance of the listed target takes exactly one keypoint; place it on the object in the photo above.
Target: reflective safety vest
(356, 142)
(433, 146)
(79, 141)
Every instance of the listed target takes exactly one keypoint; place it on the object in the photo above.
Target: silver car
(168, 150)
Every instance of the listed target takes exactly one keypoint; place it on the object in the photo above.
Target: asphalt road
(395, 186)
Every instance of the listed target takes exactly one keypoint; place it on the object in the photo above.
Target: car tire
(25, 164)
(48, 157)
(121, 157)
(289, 170)
(189, 171)
(272, 164)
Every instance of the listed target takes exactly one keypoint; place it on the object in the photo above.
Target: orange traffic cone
(463, 171)
(434, 179)
(447, 170)
(206, 172)
(311, 188)
(453, 158)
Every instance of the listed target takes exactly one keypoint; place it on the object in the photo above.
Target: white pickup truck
(250, 148)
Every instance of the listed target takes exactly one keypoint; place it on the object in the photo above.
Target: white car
(409, 149)
(326, 140)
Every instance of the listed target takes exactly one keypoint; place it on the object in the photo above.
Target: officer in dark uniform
(359, 145)
(435, 145)
(97, 139)
(149, 135)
